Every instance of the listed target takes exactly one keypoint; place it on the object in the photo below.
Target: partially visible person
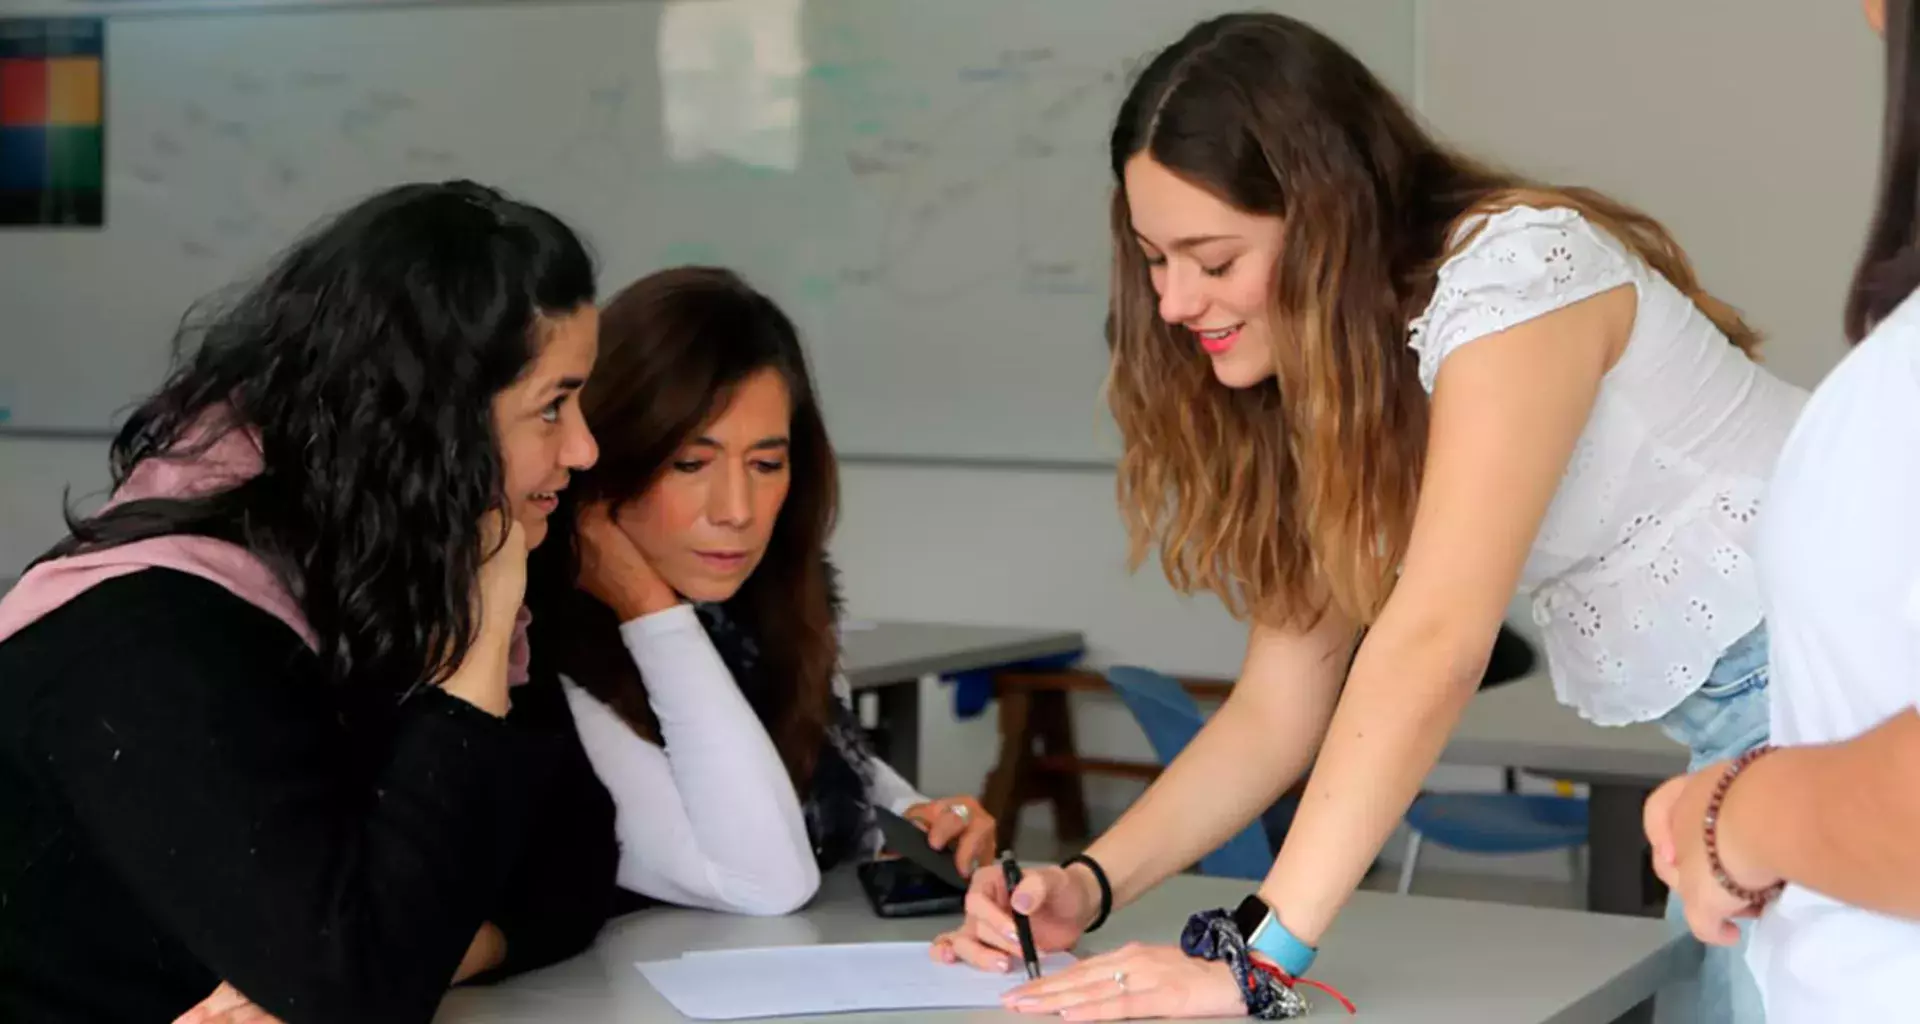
(687, 601)
(258, 730)
(1820, 835)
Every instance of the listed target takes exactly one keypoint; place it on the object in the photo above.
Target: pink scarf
(230, 461)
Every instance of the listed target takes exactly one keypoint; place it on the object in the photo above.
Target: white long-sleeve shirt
(709, 818)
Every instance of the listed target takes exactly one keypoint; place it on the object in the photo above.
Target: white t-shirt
(1839, 561)
(1640, 574)
(711, 819)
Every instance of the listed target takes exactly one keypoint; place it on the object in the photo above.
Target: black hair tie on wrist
(1106, 887)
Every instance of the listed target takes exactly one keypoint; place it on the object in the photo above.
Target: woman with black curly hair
(258, 728)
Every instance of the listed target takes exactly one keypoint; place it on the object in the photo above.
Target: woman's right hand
(228, 1005)
(1059, 903)
(503, 577)
(613, 570)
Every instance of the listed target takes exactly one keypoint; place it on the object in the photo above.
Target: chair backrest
(1170, 718)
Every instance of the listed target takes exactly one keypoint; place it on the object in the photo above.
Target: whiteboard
(921, 183)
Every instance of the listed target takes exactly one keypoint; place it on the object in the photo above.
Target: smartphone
(898, 887)
(910, 841)
(920, 881)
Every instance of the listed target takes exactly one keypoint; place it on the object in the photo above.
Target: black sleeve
(203, 756)
(562, 888)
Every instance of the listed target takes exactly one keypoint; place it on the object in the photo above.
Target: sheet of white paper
(790, 981)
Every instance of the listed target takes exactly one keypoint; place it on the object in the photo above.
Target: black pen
(1011, 869)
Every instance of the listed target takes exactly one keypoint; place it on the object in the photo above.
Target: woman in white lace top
(1365, 383)
(688, 606)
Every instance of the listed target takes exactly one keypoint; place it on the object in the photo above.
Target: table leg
(1617, 847)
(898, 739)
(1053, 726)
(1005, 790)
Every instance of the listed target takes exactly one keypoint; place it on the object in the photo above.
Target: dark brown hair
(673, 347)
(1889, 266)
(1300, 493)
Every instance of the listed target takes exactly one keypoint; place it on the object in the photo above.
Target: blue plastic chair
(1170, 718)
(1484, 823)
(1495, 823)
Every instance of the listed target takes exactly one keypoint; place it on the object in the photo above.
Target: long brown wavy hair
(1298, 495)
(673, 347)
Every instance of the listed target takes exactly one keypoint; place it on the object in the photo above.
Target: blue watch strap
(1273, 941)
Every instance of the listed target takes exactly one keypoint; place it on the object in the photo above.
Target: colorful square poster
(52, 122)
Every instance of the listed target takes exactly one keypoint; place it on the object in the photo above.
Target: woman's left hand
(1133, 981)
(1675, 821)
(958, 818)
(226, 1006)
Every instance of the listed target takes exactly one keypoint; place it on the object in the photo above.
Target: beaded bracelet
(1755, 898)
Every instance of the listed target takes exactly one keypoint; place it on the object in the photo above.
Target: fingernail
(1002, 966)
(1013, 936)
(1023, 903)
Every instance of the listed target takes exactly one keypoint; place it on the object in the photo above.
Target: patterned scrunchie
(1212, 935)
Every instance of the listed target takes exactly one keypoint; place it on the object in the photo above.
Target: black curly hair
(365, 361)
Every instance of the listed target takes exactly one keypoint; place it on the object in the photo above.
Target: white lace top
(1641, 575)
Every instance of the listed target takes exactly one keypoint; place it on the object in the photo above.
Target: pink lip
(1216, 346)
(723, 559)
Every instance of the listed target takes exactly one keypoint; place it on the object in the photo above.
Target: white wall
(1749, 128)
(33, 474)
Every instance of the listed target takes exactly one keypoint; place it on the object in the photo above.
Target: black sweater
(185, 800)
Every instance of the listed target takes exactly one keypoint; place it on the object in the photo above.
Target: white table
(1521, 725)
(1401, 959)
(890, 657)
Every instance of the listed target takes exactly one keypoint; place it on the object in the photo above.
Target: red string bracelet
(1272, 970)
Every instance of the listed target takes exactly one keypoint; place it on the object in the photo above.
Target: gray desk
(1402, 959)
(1522, 725)
(890, 657)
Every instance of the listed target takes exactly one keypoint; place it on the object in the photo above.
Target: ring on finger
(1120, 979)
(961, 811)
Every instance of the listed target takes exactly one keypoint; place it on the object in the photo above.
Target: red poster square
(23, 93)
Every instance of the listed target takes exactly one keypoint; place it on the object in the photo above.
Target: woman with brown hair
(691, 610)
(1366, 383)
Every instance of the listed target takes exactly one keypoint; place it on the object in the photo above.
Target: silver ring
(1120, 978)
(965, 813)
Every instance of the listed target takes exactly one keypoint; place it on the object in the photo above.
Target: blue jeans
(1724, 718)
